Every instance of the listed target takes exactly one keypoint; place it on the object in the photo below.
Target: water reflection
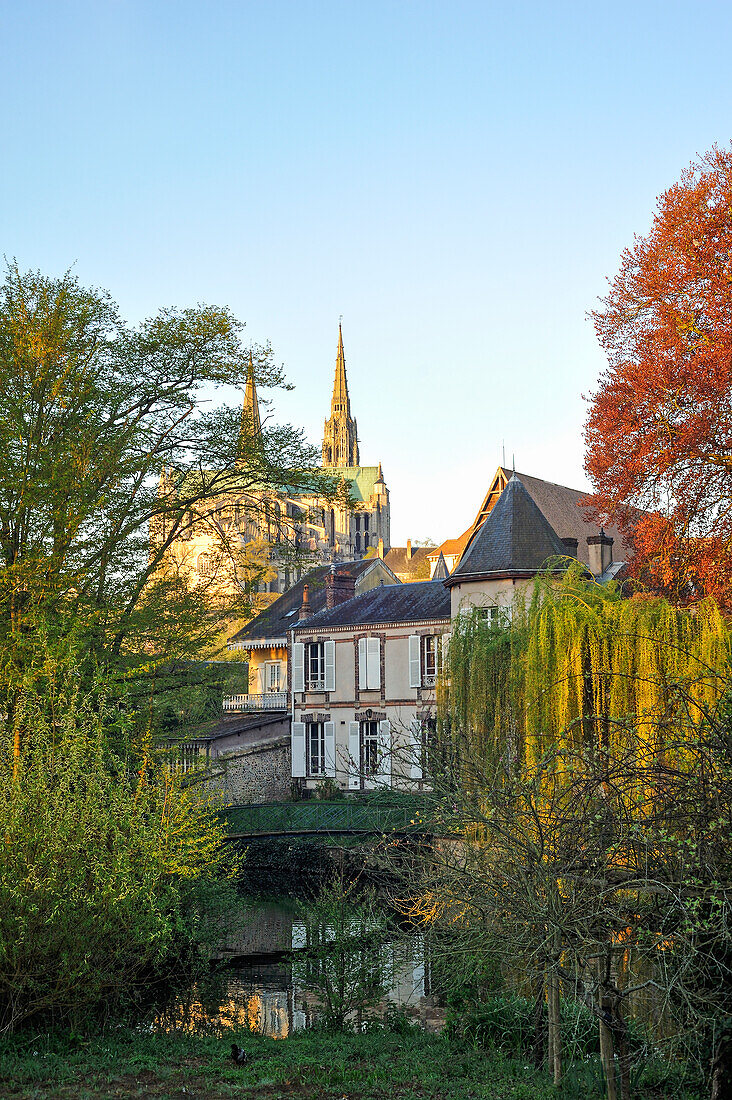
(271, 986)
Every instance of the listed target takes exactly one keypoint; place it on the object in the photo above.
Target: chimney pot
(339, 587)
(571, 545)
(305, 609)
(600, 551)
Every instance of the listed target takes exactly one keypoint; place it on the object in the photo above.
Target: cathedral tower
(340, 436)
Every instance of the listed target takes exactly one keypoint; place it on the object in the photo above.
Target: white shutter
(373, 663)
(415, 672)
(384, 773)
(299, 935)
(329, 648)
(330, 757)
(415, 749)
(297, 739)
(298, 666)
(259, 682)
(354, 756)
(362, 680)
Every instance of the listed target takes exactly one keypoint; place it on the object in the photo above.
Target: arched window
(205, 565)
(358, 543)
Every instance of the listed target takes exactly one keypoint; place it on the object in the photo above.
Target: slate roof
(565, 510)
(274, 622)
(397, 560)
(514, 540)
(389, 603)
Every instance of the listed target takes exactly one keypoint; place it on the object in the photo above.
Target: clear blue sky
(456, 179)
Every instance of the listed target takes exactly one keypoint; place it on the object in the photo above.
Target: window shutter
(297, 740)
(259, 680)
(373, 663)
(330, 756)
(444, 651)
(354, 756)
(415, 749)
(384, 773)
(298, 666)
(415, 672)
(329, 648)
(362, 680)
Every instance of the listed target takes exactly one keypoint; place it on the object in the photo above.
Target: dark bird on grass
(238, 1055)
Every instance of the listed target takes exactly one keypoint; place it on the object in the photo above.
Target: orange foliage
(659, 429)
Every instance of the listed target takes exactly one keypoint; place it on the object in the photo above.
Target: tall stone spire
(340, 435)
(251, 423)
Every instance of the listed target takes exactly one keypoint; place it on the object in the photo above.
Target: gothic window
(358, 543)
(205, 565)
(366, 521)
(332, 528)
(365, 542)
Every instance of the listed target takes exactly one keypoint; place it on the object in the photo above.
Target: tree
(659, 429)
(104, 442)
(583, 767)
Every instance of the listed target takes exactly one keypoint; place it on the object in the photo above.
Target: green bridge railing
(367, 816)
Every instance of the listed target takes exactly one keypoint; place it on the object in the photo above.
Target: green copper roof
(362, 479)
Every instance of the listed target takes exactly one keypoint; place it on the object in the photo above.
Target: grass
(311, 1065)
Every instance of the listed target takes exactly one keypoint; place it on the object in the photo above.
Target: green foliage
(101, 864)
(342, 961)
(579, 665)
(108, 461)
(274, 865)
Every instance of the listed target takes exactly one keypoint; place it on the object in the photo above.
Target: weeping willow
(578, 667)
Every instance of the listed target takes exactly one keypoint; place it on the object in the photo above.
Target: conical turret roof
(440, 572)
(515, 540)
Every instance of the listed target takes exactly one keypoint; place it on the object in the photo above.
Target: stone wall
(257, 772)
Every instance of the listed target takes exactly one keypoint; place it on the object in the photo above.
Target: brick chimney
(601, 552)
(339, 587)
(305, 608)
(570, 546)
(409, 549)
(380, 551)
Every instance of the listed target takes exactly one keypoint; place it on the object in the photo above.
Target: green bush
(100, 867)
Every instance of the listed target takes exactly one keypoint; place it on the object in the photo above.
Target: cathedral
(289, 534)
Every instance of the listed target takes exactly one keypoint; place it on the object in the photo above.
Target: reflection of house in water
(399, 965)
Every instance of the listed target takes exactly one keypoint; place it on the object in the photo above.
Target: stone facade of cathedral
(292, 533)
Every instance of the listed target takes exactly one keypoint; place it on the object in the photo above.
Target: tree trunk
(621, 1031)
(607, 1050)
(721, 1083)
(539, 1044)
(555, 1038)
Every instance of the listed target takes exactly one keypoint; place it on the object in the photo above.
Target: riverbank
(312, 1065)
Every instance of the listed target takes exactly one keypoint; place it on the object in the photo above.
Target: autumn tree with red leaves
(659, 430)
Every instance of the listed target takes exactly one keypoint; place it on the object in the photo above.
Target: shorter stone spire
(251, 422)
